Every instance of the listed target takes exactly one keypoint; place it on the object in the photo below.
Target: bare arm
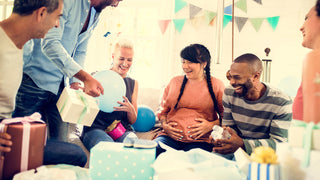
(311, 88)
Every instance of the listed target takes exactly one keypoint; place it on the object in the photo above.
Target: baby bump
(185, 118)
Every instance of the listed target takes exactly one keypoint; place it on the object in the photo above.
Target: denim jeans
(93, 137)
(178, 145)
(31, 98)
(58, 152)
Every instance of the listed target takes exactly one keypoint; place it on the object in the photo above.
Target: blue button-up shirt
(63, 50)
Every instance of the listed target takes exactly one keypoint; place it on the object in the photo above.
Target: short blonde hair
(123, 43)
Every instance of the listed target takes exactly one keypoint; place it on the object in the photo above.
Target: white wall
(285, 42)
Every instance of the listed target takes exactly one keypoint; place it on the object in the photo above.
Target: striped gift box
(258, 171)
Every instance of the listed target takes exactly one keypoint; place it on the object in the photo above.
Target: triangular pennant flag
(256, 22)
(196, 21)
(178, 24)
(193, 10)
(163, 24)
(273, 21)
(179, 4)
(258, 1)
(226, 20)
(242, 4)
(212, 21)
(240, 21)
(228, 10)
(209, 15)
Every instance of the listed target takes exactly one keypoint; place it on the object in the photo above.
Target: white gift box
(292, 159)
(296, 136)
(77, 107)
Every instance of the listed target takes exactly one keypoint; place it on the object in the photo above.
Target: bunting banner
(212, 21)
(273, 21)
(194, 10)
(242, 4)
(256, 23)
(258, 1)
(178, 24)
(178, 5)
(209, 16)
(196, 22)
(163, 24)
(228, 10)
(226, 20)
(240, 21)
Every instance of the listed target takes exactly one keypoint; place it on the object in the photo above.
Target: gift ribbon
(307, 138)
(86, 105)
(35, 117)
(260, 171)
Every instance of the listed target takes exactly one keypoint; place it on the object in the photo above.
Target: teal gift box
(110, 161)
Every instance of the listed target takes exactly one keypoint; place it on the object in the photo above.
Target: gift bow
(35, 117)
(307, 138)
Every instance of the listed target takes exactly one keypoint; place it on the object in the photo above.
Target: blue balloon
(114, 88)
(146, 119)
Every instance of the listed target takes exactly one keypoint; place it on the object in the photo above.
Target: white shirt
(11, 64)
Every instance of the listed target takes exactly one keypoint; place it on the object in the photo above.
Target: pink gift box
(117, 132)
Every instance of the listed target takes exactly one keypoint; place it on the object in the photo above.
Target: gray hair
(26, 7)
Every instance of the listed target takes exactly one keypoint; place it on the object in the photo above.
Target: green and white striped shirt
(263, 122)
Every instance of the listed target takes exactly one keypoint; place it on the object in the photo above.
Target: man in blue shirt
(50, 62)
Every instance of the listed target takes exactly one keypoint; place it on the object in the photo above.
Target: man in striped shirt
(254, 113)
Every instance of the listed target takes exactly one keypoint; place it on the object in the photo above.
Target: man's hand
(76, 86)
(91, 86)
(5, 142)
(227, 146)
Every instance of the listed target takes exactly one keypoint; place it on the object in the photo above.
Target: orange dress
(195, 102)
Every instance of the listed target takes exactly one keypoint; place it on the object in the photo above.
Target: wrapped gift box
(28, 137)
(292, 162)
(77, 107)
(109, 160)
(259, 171)
(254, 170)
(296, 136)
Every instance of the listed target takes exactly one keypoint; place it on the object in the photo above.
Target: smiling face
(99, 5)
(193, 71)
(241, 78)
(47, 20)
(122, 60)
(311, 30)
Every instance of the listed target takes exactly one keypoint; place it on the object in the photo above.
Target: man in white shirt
(29, 19)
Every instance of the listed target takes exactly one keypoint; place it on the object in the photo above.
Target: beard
(99, 7)
(245, 87)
